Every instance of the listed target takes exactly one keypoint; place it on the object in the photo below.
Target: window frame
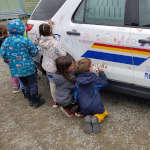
(46, 14)
(146, 27)
(126, 14)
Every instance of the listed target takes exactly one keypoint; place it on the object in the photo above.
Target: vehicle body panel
(118, 47)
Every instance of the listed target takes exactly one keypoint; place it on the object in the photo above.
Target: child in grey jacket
(65, 83)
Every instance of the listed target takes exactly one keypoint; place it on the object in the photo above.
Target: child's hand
(50, 22)
(100, 68)
(36, 42)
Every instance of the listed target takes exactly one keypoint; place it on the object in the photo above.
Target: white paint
(111, 35)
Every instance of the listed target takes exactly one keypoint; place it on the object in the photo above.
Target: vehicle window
(144, 13)
(79, 15)
(46, 9)
(132, 15)
(103, 12)
(109, 12)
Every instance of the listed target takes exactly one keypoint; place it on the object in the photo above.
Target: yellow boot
(101, 116)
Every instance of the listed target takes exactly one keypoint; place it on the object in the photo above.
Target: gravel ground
(23, 128)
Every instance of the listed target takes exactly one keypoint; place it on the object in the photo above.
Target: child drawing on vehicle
(88, 96)
(65, 83)
(52, 49)
(18, 52)
(3, 35)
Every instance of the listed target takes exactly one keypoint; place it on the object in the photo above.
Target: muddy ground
(46, 128)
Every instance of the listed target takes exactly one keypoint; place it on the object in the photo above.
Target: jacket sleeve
(60, 50)
(102, 79)
(32, 48)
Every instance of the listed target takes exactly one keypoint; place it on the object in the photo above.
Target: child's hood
(16, 26)
(86, 78)
(46, 42)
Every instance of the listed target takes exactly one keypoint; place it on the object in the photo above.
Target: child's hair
(45, 30)
(83, 65)
(62, 64)
(3, 30)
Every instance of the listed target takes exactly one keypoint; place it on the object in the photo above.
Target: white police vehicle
(112, 32)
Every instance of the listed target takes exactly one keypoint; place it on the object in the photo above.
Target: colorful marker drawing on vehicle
(147, 76)
(118, 58)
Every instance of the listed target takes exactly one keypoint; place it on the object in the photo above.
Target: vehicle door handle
(144, 41)
(73, 33)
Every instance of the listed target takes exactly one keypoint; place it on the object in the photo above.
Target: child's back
(65, 80)
(52, 48)
(64, 89)
(18, 51)
(88, 92)
(87, 88)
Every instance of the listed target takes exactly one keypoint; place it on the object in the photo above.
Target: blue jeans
(30, 87)
(49, 76)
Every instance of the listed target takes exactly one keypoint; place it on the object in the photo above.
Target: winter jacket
(64, 89)
(87, 92)
(18, 51)
(52, 49)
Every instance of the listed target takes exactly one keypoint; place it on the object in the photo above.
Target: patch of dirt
(46, 128)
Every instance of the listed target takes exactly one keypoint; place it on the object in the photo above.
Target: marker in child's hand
(104, 65)
(36, 42)
(100, 68)
(38, 39)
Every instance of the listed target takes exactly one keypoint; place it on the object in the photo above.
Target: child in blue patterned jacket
(18, 52)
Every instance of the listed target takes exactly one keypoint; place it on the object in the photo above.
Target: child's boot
(55, 105)
(36, 102)
(66, 111)
(88, 124)
(101, 116)
(15, 85)
(95, 125)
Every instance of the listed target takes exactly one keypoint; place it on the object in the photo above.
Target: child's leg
(15, 85)
(52, 86)
(101, 116)
(26, 92)
(33, 86)
(31, 90)
(21, 86)
(53, 89)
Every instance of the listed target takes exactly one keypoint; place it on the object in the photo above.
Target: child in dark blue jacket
(88, 95)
